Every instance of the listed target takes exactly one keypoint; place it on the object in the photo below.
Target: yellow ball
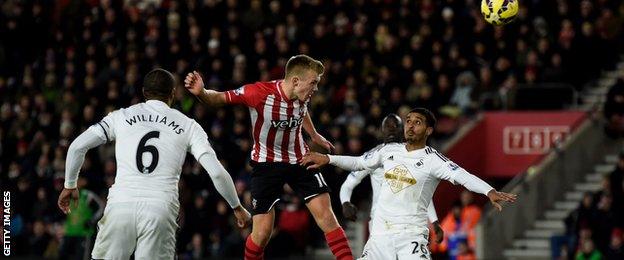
(499, 12)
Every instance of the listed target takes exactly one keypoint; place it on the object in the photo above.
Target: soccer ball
(499, 12)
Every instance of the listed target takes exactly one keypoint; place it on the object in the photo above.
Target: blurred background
(535, 108)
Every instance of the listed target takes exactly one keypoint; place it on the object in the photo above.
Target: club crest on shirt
(419, 163)
(254, 203)
(399, 178)
(239, 91)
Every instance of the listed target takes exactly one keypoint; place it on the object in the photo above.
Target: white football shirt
(377, 179)
(152, 140)
(409, 181)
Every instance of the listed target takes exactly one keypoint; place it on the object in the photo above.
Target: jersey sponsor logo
(399, 178)
(453, 166)
(391, 158)
(239, 91)
(288, 123)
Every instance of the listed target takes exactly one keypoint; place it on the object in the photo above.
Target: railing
(541, 186)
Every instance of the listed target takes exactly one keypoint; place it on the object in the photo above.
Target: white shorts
(401, 246)
(146, 228)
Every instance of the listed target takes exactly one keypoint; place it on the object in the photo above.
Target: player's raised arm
(348, 209)
(195, 84)
(448, 170)
(94, 136)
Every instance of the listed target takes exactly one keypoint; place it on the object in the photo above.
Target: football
(499, 12)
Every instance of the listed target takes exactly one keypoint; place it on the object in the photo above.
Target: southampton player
(412, 173)
(279, 110)
(152, 140)
(392, 132)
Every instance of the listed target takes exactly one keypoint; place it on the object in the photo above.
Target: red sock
(253, 251)
(337, 242)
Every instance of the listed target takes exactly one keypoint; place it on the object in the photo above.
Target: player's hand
(439, 233)
(321, 141)
(67, 199)
(194, 83)
(314, 160)
(243, 218)
(349, 211)
(497, 196)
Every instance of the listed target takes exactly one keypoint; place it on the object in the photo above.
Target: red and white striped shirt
(276, 121)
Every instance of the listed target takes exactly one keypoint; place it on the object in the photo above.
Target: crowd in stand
(595, 229)
(66, 64)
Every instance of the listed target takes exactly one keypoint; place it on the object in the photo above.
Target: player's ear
(295, 80)
(429, 130)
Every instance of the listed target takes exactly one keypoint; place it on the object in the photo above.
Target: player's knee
(261, 236)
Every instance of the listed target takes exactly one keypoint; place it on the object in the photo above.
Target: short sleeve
(198, 141)
(105, 128)
(249, 95)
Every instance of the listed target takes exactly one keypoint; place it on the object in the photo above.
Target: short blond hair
(298, 64)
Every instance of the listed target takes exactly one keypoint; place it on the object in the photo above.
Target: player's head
(304, 73)
(159, 84)
(392, 128)
(419, 125)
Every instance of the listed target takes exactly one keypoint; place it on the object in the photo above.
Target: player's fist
(194, 83)
(243, 218)
(439, 233)
(67, 199)
(497, 196)
(314, 160)
(349, 211)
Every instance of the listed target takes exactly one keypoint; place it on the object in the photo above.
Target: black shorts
(268, 179)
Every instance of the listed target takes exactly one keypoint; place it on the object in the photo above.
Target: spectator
(465, 253)
(616, 247)
(577, 220)
(587, 251)
(471, 213)
(81, 220)
(295, 221)
(604, 222)
(614, 109)
(463, 98)
(455, 231)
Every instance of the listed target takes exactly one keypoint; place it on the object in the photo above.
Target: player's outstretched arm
(314, 160)
(450, 171)
(195, 84)
(75, 157)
